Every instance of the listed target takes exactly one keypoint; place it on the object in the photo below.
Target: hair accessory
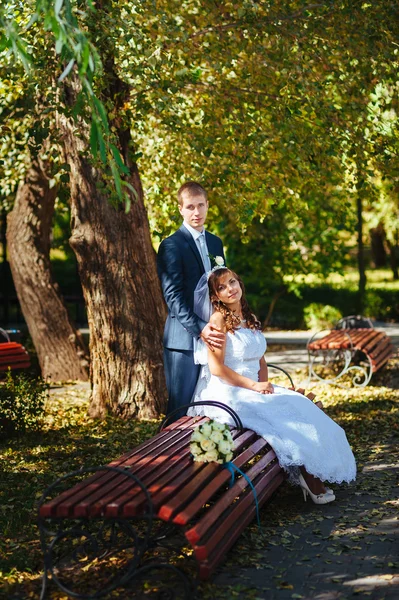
(203, 309)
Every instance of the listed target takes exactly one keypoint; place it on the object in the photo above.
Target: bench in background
(354, 347)
(12, 355)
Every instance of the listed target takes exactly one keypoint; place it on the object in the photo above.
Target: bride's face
(228, 290)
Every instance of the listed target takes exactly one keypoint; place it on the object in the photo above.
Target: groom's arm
(171, 275)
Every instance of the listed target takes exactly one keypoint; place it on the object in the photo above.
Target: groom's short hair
(192, 188)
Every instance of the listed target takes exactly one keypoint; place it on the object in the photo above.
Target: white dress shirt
(200, 240)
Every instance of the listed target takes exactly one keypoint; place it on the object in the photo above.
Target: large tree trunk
(117, 267)
(59, 345)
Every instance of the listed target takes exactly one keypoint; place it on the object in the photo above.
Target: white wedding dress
(298, 431)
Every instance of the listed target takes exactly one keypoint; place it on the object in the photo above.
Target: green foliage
(21, 404)
(320, 316)
(285, 114)
(381, 304)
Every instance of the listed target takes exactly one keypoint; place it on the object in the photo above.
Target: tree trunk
(378, 252)
(59, 345)
(393, 258)
(272, 305)
(360, 253)
(116, 260)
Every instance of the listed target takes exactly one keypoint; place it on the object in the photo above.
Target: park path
(347, 549)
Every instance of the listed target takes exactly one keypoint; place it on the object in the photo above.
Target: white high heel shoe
(317, 498)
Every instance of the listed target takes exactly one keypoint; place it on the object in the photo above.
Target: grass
(376, 279)
(70, 439)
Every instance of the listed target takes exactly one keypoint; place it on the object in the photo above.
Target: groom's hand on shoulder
(213, 336)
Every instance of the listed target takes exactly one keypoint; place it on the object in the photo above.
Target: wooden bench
(359, 352)
(159, 479)
(13, 356)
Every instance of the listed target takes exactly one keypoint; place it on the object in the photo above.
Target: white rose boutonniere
(219, 260)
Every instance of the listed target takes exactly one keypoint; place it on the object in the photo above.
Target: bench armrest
(231, 412)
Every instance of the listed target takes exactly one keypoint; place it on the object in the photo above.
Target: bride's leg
(315, 484)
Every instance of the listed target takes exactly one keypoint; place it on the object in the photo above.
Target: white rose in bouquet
(227, 436)
(228, 456)
(224, 447)
(216, 436)
(208, 445)
(197, 436)
(199, 458)
(211, 456)
(216, 426)
(195, 449)
(206, 429)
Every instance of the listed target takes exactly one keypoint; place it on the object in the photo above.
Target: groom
(182, 259)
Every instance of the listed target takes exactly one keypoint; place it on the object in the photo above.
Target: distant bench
(160, 480)
(358, 351)
(12, 355)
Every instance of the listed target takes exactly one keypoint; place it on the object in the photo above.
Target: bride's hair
(233, 322)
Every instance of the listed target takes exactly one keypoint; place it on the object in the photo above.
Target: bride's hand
(263, 387)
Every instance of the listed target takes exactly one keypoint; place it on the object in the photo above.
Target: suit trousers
(181, 375)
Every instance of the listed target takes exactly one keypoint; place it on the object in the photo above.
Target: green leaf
(57, 6)
(4, 43)
(118, 159)
(94, 138)
(117, 178)
(131, 188)
(59, 45)
(102, 112)
(101, 143)
(67, 70)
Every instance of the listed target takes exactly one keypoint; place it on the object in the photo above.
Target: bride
(308, 444)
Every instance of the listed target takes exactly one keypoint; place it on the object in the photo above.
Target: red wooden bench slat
(6, 345)
(369, 341)
(19, 365)
(158, 491)
(383, 358)
(322, 343)
(80, 504)
(207, 567)
(50, 507)
(214, 514)
(12, 351)
(131, 505)
(183, 517)
(117, 494)
(220, 526)
(382, 346)
(175, 504)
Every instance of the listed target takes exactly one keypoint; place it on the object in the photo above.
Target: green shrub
(21, 404)
(320, 316)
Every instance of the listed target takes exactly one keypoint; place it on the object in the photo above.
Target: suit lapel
(212, 248)
(190, 240)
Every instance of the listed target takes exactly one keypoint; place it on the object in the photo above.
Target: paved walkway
(347, 549)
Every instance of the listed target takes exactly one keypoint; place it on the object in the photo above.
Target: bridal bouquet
(212, 442)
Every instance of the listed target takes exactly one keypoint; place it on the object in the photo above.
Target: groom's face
(194, 209)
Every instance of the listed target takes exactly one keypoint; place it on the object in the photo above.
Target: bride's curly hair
(233, 321)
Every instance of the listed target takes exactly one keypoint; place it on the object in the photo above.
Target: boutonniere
(218, 260)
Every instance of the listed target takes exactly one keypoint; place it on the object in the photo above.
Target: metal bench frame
(343, 348)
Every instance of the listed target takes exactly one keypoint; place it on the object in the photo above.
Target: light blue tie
(204, 252)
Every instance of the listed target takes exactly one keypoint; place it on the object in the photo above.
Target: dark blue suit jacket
(180, 268)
